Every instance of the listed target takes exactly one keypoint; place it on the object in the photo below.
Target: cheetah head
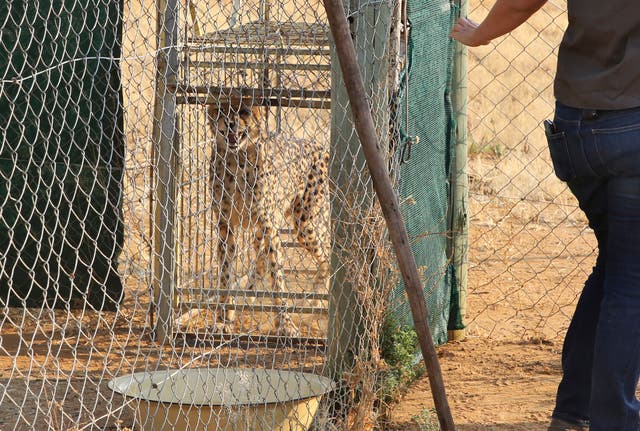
(235, 125)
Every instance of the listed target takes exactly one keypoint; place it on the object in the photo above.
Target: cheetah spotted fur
(242, 181)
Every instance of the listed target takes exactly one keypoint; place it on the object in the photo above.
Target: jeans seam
(565, 148)
(627, 128)
(597, 148)
(586, 159)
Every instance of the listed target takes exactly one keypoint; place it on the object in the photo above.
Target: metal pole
(165, 143)
(365, 127)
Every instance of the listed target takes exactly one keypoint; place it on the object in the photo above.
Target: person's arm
(505, 16)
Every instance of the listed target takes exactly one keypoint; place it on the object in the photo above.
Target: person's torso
(599, 57)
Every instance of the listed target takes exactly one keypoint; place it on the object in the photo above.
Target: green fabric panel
(424, 179)
(61, 153)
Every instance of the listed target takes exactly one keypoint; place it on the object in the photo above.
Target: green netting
(61, 153)
(424, 179)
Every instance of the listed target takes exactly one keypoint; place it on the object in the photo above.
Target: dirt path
(503, 386)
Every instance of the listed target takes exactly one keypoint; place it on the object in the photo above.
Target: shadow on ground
(522, 426)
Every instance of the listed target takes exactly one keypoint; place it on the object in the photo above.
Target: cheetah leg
(271, 252)
(262, 264)
(226, 253)
(307, 237)
(303, 212)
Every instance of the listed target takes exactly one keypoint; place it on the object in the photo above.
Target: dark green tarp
(424, 178)
(61, 153)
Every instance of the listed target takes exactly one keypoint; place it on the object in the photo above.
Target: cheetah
(242, 182)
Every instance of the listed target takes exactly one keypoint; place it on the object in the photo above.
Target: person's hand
(465, 32)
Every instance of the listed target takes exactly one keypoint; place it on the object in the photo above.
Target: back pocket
(619, 149)
(560, 157)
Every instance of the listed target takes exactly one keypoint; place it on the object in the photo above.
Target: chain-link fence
(185, 213)
(530, 248)
(189, 237)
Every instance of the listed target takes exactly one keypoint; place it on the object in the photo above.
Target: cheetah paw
(286, 327)
(222, 328)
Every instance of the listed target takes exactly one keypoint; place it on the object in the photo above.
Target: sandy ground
(491, 386)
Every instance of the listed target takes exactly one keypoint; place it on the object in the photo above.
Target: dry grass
(510, 93)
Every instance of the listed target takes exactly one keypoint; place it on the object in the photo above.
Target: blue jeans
(597, 153)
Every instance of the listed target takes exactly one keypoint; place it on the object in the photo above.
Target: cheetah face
(235, 126)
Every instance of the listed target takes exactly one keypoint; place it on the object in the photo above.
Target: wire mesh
(530, 248)
(136, 135)
(110, 231)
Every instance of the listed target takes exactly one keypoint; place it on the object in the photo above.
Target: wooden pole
(459, 181)
(365, 128)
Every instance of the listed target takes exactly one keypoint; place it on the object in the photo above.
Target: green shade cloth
(61, 153)
(424, 186)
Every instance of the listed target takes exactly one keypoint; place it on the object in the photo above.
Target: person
(594, 142)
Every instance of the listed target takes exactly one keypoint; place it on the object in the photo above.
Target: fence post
(459, 183)
(165, 153)
(371, 147)
(353, 198)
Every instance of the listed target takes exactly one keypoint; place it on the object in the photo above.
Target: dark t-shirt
(599, 57)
